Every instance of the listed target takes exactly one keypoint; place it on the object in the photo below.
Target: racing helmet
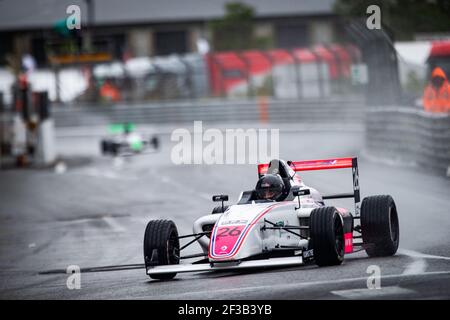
(269, 187)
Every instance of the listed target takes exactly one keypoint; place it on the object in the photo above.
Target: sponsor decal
(355, 179)
(308, 253)
(226, 238)
(224, 223)
(280, 224)
(348, 238)
(233, 236)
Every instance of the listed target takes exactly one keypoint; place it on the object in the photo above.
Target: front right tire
(380, 226)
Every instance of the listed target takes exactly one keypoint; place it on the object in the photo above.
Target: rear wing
(326, 164)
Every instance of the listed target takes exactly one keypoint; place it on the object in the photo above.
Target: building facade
(119, 29)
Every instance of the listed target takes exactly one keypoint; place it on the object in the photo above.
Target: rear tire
(154, 141)
(379, 226)
(161, 246)
(327, 236)
(115, 148)
(105, 147)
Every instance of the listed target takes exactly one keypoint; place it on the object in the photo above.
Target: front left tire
(327, 236)
(161, 246)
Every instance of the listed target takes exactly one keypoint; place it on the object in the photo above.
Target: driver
(269, 187)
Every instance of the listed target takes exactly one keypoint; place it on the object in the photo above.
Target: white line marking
(273, 287)
(418, 266)
(372, 293)
(113, 224)
(416, 254)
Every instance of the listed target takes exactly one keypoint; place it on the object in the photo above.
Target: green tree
(404, 17)
(235, 31)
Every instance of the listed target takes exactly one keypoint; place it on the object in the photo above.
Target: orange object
(437, 98)
(109, 92)
(263, 105)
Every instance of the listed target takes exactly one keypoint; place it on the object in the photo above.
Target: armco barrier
(411, 136)
(233, 111)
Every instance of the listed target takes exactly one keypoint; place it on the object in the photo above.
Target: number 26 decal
(232, 232)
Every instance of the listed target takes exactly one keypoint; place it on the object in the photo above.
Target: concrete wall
(409, 137)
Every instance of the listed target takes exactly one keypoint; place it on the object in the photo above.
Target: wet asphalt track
(94, 215)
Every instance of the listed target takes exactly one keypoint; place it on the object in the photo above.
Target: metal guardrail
(411, 136)
(233, 111)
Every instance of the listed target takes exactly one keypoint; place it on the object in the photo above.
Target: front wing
(263, 263)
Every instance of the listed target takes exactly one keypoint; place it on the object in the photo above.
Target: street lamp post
(87, 44)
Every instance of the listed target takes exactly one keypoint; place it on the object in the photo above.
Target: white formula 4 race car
(125, 141)
(293, 231)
